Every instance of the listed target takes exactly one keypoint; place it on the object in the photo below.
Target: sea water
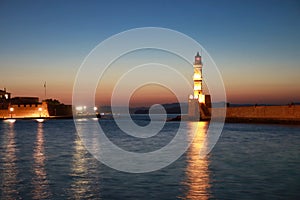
(49, 161)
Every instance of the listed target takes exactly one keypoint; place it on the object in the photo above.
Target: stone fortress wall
(25, 111)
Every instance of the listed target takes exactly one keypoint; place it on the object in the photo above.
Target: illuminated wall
(25, 110)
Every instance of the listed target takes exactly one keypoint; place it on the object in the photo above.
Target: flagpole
(45, 90)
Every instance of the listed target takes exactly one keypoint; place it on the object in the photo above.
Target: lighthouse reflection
(197, 172)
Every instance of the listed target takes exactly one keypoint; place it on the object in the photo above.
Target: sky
(255, 44)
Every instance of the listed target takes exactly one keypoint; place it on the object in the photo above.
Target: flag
(45, 84)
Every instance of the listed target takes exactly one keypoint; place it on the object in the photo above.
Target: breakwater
(289, 114)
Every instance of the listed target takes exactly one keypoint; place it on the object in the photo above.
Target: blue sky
(254, 43)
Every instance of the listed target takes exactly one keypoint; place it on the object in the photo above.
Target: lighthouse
(197, 78)
(198, 102)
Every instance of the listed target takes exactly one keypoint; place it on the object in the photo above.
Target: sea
(48, 160)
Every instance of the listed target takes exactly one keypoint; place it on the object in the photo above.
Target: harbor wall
(287, 113)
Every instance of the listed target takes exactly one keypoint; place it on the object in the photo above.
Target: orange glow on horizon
(152, 94)
(144, 96)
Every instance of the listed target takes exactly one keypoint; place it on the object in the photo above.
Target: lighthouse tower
(197, 78)
(197, 109)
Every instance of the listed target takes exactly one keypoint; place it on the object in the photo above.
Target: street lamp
(40, 110)
(11, 109)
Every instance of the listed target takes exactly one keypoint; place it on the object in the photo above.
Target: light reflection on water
(10, 170)
(48, 161)
(39, 180)
(85, 173)
(79, 186)
(197, 173)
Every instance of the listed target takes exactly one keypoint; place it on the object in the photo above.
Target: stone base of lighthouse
(199, 111)
(194, 110)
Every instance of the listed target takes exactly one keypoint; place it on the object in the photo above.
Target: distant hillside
(172, 108)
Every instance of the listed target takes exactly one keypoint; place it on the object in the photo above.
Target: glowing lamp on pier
(79, 108)
(11, 110)
(40, 110)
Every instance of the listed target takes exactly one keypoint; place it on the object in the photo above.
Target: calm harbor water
(250, 161)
